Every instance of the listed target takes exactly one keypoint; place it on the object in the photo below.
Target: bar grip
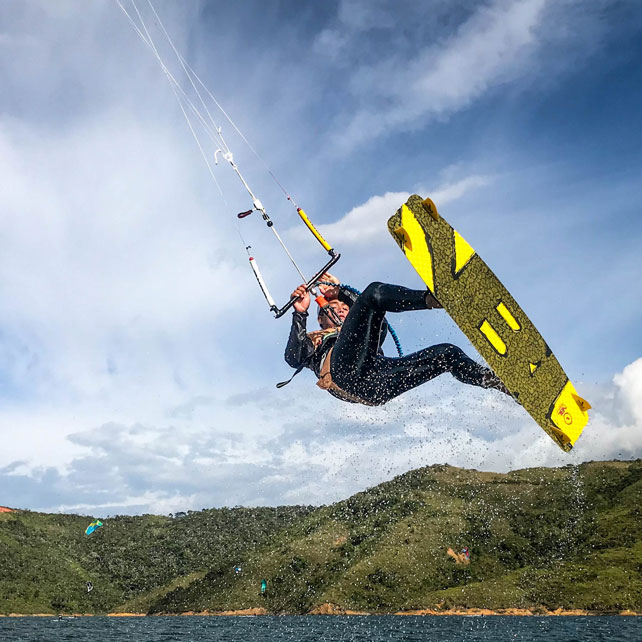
(306, 220)
(335, 257)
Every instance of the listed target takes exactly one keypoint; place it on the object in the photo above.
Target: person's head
(341, 310)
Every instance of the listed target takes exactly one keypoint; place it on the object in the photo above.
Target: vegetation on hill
(538, 538)
(46, 560)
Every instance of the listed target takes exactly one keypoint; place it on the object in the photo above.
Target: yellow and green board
(491, 319)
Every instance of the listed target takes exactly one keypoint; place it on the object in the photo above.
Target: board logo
(568, 420)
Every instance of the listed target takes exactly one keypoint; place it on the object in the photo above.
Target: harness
(319, 338)
(325, 382)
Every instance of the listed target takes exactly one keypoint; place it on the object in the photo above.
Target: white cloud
(354, 17)
(492, 46)
(629, 393)
(616, 426)
(115, 257)
(365, 224)
(451, 192)
(331, 43)
(97, 259)
(276, 458)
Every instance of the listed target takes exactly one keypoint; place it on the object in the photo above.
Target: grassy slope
(46, 560)
(539, 537)
(567, 537)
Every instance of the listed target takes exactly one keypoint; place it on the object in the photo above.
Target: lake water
(323, 629)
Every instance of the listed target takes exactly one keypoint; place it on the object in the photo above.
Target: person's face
(340, 308)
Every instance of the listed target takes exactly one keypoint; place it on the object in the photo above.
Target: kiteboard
(492, 320)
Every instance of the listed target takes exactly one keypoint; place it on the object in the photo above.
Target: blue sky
(137, 356)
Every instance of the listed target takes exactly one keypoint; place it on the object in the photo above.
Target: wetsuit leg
(358, 342)
(391, 377)
(359, 369)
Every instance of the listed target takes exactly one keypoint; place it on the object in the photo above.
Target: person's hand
(329, 291)
(302, 297)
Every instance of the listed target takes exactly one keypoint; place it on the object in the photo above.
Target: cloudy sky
(138, 359)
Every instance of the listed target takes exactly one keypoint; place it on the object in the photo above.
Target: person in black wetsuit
(348, 360)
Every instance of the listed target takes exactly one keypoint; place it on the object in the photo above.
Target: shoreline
(332, 609)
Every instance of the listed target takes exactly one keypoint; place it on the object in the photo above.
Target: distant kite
(95, 525)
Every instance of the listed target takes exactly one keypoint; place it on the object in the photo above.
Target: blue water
(324, 629)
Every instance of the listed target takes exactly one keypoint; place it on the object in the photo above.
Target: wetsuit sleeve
(347, 297)
(299, 348)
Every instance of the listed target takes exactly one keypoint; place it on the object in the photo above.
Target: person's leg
(359, 369)
(390, 377)
(358, 341)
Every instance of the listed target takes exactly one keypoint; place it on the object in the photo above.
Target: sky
(138, 358)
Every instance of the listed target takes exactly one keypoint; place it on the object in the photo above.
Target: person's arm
(300, 347)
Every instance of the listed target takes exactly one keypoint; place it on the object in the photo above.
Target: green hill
(46, 560)
(538, 538)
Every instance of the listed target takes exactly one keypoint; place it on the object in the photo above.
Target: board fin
(582, 403)
(431, 208)
(403, 238)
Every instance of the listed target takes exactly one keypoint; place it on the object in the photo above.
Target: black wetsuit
(358, 364)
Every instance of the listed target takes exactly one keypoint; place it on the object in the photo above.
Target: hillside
(46, 559)
(538, 538)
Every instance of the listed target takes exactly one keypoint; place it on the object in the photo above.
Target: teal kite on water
(95, 525)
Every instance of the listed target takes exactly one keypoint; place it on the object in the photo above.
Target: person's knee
(454, 359)
(373, 294)
(462, 367)
(451, 352)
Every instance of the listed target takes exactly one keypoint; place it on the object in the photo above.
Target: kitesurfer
(348, 359)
